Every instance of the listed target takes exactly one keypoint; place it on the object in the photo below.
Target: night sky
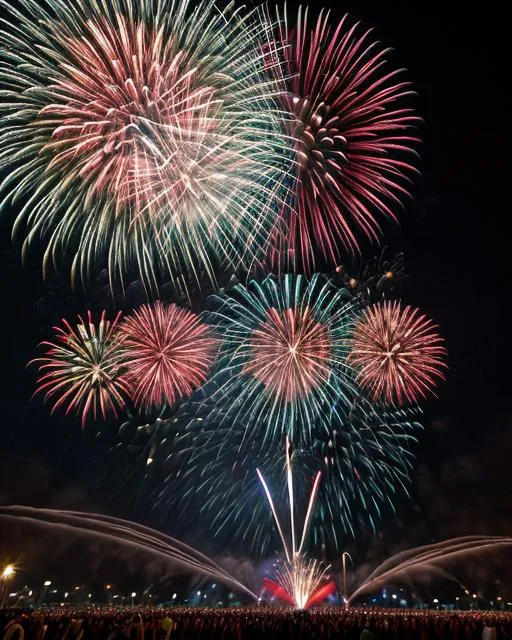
(457, 259)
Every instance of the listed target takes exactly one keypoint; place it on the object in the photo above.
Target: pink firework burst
(397, 352)
(289, 353)
(168, 352)
(83, 369)
(354, 152)
(126, 88)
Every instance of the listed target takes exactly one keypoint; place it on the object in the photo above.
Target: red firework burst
(83, 370)
(398, 354)
(168, 352)
(289, 352)
(353, 149)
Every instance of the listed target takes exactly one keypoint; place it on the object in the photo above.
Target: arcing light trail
(299, 581)
(427, 558)
(124, 533)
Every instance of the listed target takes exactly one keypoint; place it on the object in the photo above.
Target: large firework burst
(83, 369)
(139, 134)
(168, 352)
(351, 126)
(397, 352)
(365, 458)
(283, 357)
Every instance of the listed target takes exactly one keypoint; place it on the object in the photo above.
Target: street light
(344, 557)
(8, 572)
(43, 593)
(5, 576)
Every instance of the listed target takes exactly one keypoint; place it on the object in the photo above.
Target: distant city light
(435, 600)
(174, 596)
(47, 583)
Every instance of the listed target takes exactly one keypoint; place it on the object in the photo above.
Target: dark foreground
(146, 623)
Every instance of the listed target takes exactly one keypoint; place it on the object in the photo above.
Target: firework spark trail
(397, 353)
(124, 533)
(423, 558)
(299, 579)
(168, 352)
(351, 124)
(84, 369)
(140, 135)
(366, 461)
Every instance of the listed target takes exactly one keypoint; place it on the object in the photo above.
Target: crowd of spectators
(152, 623)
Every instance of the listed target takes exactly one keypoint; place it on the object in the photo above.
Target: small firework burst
(168, 353)
(83, 369)
(351, 124)
(397, 352)
(140, 135)
(283, 359)
(289, 353)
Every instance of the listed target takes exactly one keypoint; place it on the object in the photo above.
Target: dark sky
(457, 256)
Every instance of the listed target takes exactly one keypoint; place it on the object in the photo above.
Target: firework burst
(139, 135)
(83, 369)
(289, 354)
(283, 358)
(298, 580)
(366, 460)
(168, 352)
(354, 150)
(397, 352)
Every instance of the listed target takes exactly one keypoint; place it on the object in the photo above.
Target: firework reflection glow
(298, 580)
